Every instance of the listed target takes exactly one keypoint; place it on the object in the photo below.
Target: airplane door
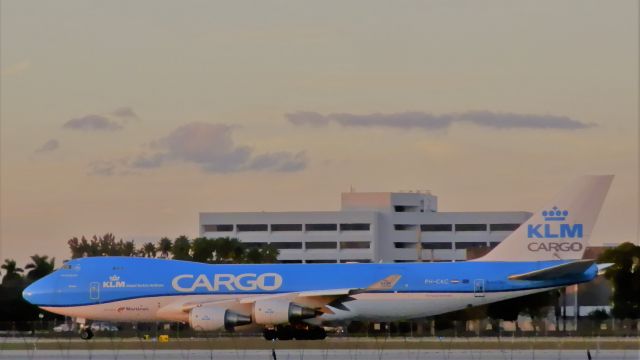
(94, 291)
(478, 287)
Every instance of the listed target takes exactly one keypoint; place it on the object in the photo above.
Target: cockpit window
(66, 267)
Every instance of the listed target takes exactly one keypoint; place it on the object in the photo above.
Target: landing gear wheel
(301, 334)
(269, 334)
(317, 333)
(86, 334)
(284, 333)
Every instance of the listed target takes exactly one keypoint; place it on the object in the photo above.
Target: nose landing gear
(85, 328)
(86, 333)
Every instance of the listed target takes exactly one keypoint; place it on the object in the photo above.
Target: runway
(315, 354)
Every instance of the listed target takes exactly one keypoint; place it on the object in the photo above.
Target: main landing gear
(289, 332)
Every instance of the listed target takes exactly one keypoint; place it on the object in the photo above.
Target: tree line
(15, 313)
(223, 250)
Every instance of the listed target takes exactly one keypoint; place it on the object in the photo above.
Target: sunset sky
(133, 116)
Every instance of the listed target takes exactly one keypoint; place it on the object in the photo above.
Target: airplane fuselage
(143, 289)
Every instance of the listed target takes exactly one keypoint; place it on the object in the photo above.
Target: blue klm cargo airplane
(297, 300)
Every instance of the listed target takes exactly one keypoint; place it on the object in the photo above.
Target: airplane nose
(29, 291)
(39, 292)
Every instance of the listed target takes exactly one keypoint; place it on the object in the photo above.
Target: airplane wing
(328, 294)
(314, 298)
(571, 268)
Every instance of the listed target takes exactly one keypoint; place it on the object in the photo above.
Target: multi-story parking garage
(369, 227)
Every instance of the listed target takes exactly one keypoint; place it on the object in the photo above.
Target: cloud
(279, 161)
(406, 120)
(16, 69)
(92, 123)
(211, 148)
(307, 118)
(103, 168)
(148, 161)
(528, 121)
(428, 121)
(113, 121)
(48, 146)
(125, 112)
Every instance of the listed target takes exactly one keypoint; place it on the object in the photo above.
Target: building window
(425, 245)
(470, 244)
(321, 245)
(355, 245)
(403, 261)
(406, 208)
(290, 261)
(471, 227)
(286, 227)
(321, 227)
(252, 227)
(355, 227)
(405, 245)
(254, 245)
(217, 228)
(436, 227)
(286, 245)
(503, 227)
(321, 261)
(436, 245)
(402, 227)
(355, 261)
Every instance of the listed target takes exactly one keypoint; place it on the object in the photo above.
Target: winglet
(385, 284)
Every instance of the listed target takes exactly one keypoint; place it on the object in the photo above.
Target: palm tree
(224, 248)
(269, 254)
(164, 246)
(128, 248)
(181, 248)
(12, 272)
(149, 249)
(40, 267)
(76, 248)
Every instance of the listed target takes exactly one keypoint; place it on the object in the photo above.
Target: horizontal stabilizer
(553, 272)
(603, 267)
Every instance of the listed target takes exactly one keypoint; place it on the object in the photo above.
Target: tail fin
(562, 229)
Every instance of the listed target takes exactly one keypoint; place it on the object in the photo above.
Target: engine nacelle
(215, 318)
(273, 312)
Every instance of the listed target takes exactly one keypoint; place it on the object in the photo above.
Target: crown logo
(114, 278)
(555, 214)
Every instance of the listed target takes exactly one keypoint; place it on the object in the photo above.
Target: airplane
(297, 300)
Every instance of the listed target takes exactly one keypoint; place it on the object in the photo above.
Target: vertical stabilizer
(561, 230)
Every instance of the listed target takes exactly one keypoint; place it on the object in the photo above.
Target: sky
(132, 117)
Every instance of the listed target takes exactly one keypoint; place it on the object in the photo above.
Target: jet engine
(273, 312)
(215, 318)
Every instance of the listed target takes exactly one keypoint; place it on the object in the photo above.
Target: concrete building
(369, 227)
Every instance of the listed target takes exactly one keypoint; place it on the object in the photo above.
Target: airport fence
(405, 340)
(409, 329)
